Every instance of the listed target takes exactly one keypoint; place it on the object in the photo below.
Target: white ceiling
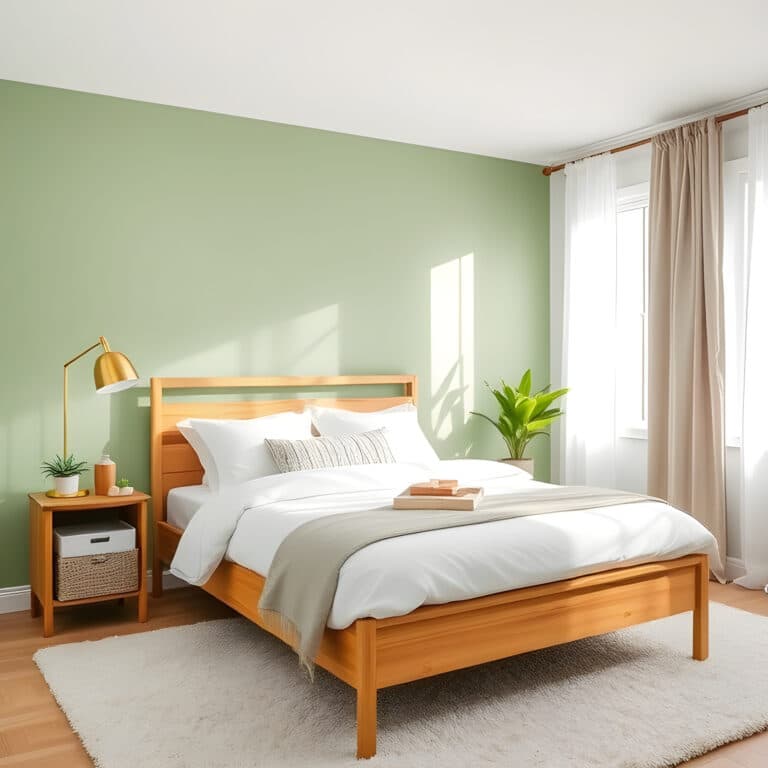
(525, 80)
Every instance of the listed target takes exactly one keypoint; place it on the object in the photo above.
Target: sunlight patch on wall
(305, 344)
(218, 360)
(452, 334)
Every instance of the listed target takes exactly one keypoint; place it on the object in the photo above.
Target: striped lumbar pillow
(323, 452)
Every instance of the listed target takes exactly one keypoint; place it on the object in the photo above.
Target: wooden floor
(35, 734)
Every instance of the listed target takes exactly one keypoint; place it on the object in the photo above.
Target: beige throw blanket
(301, 584)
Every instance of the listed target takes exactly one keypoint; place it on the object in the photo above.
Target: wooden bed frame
(376, 653)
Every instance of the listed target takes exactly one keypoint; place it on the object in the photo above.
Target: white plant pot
(524, 464)
(126, 490)
(66, 486)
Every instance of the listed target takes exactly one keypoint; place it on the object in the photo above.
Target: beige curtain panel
(686, 446)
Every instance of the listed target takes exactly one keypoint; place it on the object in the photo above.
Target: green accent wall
(202, 244)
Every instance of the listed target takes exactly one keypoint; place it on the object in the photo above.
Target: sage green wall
(201, 244)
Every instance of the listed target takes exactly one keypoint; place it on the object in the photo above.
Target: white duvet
(247, 523)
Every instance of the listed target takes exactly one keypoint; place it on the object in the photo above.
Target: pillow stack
(233, 451)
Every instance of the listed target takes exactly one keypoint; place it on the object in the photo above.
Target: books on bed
(435, 488)
(445, 497)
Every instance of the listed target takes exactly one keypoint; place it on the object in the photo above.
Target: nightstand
(45, 513)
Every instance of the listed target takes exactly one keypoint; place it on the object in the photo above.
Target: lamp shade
(113, 372)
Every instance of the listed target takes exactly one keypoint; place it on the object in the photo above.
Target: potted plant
(523, 417)
(126, 489)
(65, 473)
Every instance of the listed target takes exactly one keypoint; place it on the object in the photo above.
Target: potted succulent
(122, 487)
(523, 416)
(65, 472)
(126, 489)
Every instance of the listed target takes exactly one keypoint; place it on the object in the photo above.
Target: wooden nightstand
(45, 513)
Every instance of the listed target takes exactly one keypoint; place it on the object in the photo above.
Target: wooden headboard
(173, 462)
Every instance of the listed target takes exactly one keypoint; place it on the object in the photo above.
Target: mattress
(394, 577)
(183, 502)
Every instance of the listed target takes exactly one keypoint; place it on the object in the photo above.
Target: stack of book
(438, 494)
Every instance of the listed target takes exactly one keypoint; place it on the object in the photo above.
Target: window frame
(631, 198)
(734, 168)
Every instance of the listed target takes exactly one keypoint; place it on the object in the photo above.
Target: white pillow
(236, 446)
(210, 476)
(409, 444)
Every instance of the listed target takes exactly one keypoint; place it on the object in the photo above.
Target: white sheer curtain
(754, 434)
(589, 332)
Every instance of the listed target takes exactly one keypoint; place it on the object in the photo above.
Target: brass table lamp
(112, 373)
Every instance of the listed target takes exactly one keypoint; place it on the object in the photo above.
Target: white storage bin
(94, 538)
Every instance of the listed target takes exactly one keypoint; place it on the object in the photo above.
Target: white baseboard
(14, 599)
(734, 568)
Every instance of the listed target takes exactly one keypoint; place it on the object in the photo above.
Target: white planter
(66, 486)
(126, 490)
(524, 464)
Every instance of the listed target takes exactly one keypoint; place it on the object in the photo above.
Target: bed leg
(366, 687)
(701, 611)
(157, 575)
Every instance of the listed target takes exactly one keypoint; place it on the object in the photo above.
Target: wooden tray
(465, 499)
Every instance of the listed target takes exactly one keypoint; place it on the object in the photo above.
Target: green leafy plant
(63, 467)
(523, 415)
(123, 482)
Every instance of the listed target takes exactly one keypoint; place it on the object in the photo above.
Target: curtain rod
(550, 169)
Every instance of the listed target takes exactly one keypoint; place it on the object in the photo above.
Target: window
(735, 228)
(632, 310)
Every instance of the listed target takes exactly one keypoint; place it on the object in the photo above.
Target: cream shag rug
(224, 693)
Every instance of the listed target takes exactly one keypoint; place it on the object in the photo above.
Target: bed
(372, 653)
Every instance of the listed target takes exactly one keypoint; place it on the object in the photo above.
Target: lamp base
(54, 495)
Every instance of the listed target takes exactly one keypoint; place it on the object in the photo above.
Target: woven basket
(94, 575)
